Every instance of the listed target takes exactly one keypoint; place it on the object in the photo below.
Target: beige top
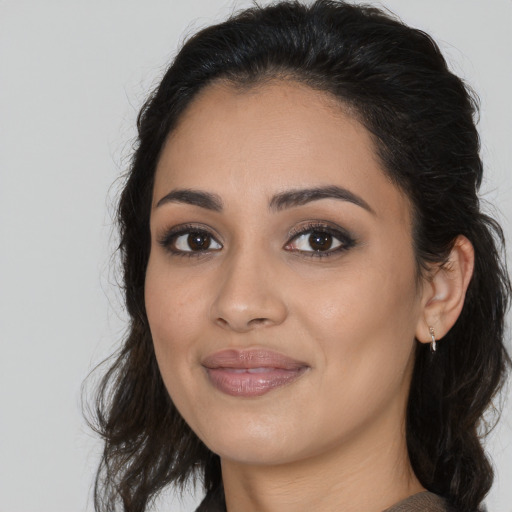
(421, 502)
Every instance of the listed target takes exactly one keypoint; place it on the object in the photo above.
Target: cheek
(364, 323)
(353, 304)
(365, 339)
(172, 300)
(172, 307)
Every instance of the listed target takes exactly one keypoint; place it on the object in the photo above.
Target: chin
(254, 451)
(256, 439)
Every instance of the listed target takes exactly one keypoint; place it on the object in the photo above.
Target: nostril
(258, 321)
(222, 322)
(251, 324)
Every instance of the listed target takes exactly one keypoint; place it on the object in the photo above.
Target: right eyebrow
(299, 197)
(193, 197)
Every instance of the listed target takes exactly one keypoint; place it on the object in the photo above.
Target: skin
(334, 439)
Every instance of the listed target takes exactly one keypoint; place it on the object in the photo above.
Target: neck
(369, 473)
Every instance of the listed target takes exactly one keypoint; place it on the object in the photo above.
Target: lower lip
(257, 382)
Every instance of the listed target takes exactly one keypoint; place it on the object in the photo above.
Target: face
(281, 287)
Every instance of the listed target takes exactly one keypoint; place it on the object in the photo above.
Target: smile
(251, 373)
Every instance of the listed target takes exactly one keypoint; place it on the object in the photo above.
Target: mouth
(251, 373)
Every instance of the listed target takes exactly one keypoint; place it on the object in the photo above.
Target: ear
(444, 292)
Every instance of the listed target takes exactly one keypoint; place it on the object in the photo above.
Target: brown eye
(193, 241)
(320, 241)
(199, 241)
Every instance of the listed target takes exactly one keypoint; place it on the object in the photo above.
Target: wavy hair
(421, 116)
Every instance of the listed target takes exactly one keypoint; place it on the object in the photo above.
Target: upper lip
(251, 358)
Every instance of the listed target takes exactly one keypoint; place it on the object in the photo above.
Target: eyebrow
(193, 197)
(300, 197)
(281, 201)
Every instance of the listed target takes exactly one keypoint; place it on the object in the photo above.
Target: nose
(249, 295)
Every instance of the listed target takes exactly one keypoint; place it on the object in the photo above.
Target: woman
(316, 299)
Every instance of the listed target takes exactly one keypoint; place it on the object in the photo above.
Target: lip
(251, 373)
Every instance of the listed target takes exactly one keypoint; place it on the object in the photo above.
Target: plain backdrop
(73, 75)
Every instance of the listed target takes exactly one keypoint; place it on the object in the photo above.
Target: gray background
(72, 78)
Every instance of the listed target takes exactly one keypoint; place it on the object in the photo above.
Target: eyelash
(345, 239)
(170, 237)
(168, 240)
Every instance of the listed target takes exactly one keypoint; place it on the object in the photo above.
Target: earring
(433, 336)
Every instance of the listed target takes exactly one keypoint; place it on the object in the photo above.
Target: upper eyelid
(181, 229)
(319, 226)
(292, 233)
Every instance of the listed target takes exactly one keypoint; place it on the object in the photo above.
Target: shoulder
(422, 502)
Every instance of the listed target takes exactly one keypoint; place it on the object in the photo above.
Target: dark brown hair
(421, 117)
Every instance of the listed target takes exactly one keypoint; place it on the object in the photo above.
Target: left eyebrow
(300, 197)
(193, 197)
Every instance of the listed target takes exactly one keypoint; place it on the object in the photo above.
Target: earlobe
(445, 292)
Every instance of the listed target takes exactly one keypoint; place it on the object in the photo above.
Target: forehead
(270, 138)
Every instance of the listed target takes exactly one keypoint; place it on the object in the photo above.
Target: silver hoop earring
(433, 345)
